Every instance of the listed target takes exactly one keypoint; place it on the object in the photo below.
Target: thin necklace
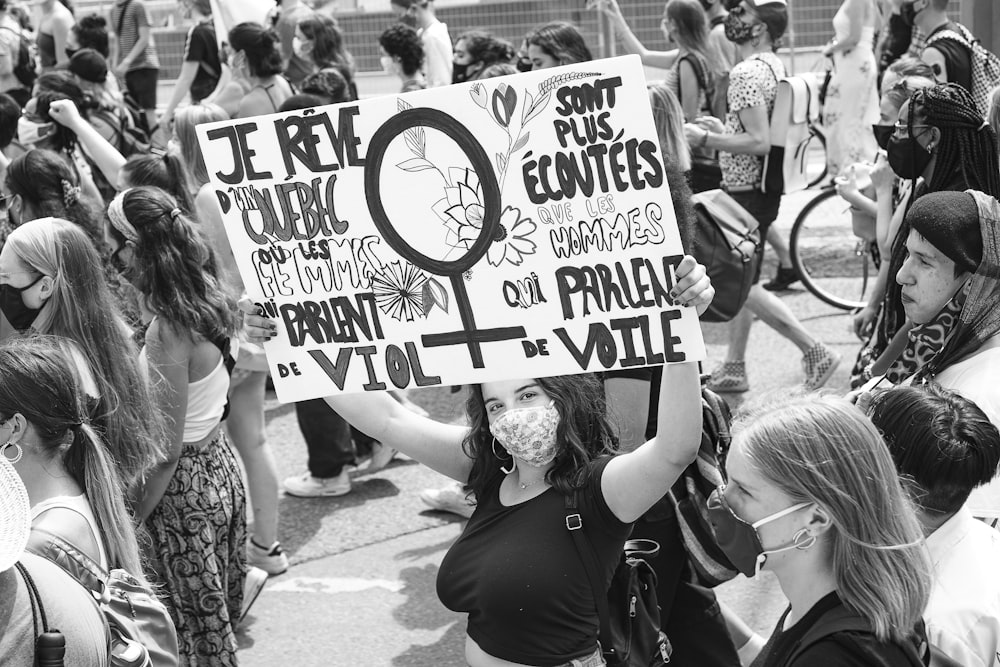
(524, 486)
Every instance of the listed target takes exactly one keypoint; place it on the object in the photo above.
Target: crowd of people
(133, 376)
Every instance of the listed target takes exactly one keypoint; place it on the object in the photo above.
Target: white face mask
(388, 64)
(529, 434)
(30, 133)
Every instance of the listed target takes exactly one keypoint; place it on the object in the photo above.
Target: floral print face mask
(529, 434)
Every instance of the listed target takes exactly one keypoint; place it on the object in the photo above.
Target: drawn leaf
(414, 138)
(501, 163)
(520, 142)
(402, 105)
(528, 99)
(540, 103)
(434, 294)
(415, 164)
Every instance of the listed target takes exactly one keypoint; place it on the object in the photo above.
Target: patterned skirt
(198, 552)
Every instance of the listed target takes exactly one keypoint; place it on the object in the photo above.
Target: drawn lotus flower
(462, 209)
(511, 243)
(504, 103)
(479, 95)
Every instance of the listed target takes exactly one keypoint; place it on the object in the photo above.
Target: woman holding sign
(531, 442)
(193, 503)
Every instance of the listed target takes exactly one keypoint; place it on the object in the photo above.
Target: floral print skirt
(197, 552)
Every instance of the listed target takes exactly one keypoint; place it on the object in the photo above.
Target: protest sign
(507, 228)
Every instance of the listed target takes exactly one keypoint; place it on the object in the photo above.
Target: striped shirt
(132, 15)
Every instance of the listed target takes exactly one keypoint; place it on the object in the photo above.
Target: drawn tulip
(479, 95)
(504, 104)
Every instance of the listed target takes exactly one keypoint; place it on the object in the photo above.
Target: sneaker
(729, 378)
(819, 363)
(783, 279)
(307, 486)
(451, 498)
(271, 559)
(382, 455)
(252, 586)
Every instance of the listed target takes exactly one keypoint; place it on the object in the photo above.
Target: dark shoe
(783, 279)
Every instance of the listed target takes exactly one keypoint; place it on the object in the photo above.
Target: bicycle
(835, 264)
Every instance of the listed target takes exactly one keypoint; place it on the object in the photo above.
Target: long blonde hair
(668, 116)
(825, 451)
(185, 121)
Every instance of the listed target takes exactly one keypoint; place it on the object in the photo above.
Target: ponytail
(93, 468)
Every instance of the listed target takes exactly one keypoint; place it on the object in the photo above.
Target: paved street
(361, 590)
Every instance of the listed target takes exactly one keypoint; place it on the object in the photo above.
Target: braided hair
(966, 159)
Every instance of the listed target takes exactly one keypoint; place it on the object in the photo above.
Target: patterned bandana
(529, 434)
(927, 340)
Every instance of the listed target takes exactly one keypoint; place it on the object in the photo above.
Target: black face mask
(737, 31)
(524, 65)
(907, 158)
(459, 73)
(12, 305)
(882, 134)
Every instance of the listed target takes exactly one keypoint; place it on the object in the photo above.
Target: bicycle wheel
(816, 167)
(835, 265)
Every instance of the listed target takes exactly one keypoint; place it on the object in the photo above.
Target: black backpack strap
(836, 620)
(574, 524)
(37, 608)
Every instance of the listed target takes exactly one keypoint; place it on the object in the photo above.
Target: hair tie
(116, 214)
(175, 213)
(71, 193)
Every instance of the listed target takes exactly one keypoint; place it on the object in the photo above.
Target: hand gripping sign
(513, 227)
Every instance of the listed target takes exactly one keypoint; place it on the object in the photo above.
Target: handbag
(630, 632)
(141, 632)
(689, 495)
(726, 242)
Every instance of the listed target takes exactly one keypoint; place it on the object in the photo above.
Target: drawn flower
(512, 243)
(504, 103)
(462, 209)
(479, 95)
(399, 291)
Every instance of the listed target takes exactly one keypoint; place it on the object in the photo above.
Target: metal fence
(509, 19)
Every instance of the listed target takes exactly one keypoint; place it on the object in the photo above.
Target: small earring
(17, 456)
(513, 464)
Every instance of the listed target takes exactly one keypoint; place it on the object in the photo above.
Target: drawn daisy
(399, 291)
(511, 243)
(462, 209)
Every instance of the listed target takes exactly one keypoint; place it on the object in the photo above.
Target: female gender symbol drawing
(452, 269)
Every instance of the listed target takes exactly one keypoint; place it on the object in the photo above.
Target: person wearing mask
(201, 68)
(477, 50)
(555, 44)
(256, 63)
(402, 54)
(53, 32)
(434, 38)
(288, 15)
(838, 532)
(319, 40)
(945, 446)
(134, 55)
(69, 607)
(756, 27)
(188, 349)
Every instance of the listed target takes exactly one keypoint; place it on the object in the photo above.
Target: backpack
(140, 630)
(985, 64)
(689, 495)
(129, 139)
(630, 616)
(842, 619)
(726, 241)
(24, 64)
(796, 109)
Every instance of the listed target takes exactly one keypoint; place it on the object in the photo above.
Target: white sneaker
(307, 486)
(252, 586)
(271, 559)
(452, 498)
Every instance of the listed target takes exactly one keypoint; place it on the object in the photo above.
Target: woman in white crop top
(188, 353)
(74, 488)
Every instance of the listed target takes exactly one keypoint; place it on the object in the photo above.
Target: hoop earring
(17, 456)
(755, 41)
(513, 464)
(807, 543)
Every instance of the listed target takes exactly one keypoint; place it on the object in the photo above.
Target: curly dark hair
(403, 42)
(92, 33)
(328, 84)
(46, 183)
(175, 267)
(260, 45)
(584, 432)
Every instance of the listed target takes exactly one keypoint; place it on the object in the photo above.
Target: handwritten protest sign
(514, 227)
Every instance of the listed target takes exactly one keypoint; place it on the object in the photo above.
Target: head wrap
(116, 214)
(950, 222)
(15, 515)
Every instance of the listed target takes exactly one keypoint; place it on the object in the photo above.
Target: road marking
(331, 585)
